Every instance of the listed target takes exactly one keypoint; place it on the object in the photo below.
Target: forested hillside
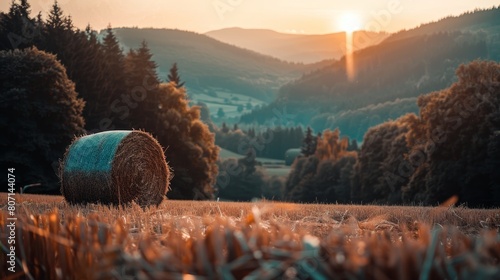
(402, 67)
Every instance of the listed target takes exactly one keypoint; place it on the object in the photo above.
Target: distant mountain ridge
(305, 48)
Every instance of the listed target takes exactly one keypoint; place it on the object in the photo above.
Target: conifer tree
(140, 70)
(89, 73)
(56, 18)
(173, 76)
(116, 87)
(224, 128)
(17, 28)
(309, 143)
(58, 38)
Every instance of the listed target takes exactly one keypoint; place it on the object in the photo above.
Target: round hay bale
(115, 167)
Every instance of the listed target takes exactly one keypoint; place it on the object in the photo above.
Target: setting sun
(349, 22)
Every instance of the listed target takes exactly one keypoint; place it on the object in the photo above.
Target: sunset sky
(292, 16)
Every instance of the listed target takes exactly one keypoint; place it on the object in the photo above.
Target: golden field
(259, 240)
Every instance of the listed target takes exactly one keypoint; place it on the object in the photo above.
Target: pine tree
(141, 69)
(114, 69)
(58, 37)
(17, 28)
(88, 64)
(113, 55)
(173, 76)
(56, 18)
(309, 143)
(141, 75)
(88, 71)
(353, 145)
(224, 128)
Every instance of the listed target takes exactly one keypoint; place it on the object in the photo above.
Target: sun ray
(349, 22)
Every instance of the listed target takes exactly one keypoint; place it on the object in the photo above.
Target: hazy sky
(302, 16)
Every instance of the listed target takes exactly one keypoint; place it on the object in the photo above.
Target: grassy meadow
(259, 240)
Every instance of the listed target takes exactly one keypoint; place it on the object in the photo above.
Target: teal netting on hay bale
(115, 167)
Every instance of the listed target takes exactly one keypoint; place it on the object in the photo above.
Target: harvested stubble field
(261, 240)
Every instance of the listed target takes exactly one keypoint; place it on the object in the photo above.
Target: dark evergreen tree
(86, 64)
(91, 80)
(58, 34)
(224, 129)
(17, 28)
(119, 94)
(353, 145)
(143, 83)
(309, 143)
(174, 77)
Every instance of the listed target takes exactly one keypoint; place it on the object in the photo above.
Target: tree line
(59, 82)
(268, 142)
(450, 149)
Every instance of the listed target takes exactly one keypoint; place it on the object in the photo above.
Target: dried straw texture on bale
(115, 167)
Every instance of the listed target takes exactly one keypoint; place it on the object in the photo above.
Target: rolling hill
(389, 76)
(208, 65)
(220, 75)
(294, 47)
